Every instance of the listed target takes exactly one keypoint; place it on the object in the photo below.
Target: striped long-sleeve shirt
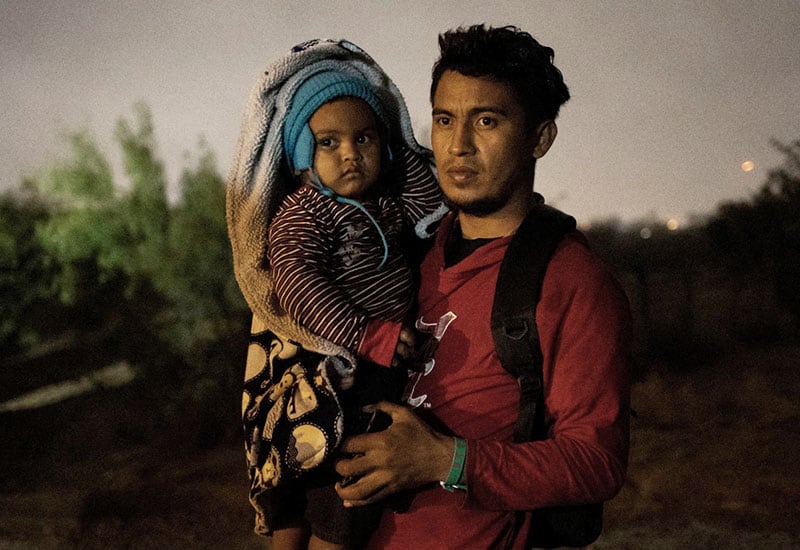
(324, 257)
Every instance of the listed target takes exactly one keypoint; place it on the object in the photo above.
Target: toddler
(335, 257)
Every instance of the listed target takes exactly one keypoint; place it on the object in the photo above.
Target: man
(495, 96)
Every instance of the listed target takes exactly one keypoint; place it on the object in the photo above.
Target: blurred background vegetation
(95, 271)
(120, 271)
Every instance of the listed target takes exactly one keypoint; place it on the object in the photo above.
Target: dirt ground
(715, 458)
(714, 464)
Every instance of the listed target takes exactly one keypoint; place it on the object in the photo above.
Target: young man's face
(484, 151)
(347, 151)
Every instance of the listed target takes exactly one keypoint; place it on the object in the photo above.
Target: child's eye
(325, 142)
(368, 137)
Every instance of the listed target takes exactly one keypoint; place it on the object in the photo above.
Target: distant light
(748, 166)
(673, 224)
(645, 233)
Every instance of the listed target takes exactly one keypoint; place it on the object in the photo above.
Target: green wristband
(456, 473)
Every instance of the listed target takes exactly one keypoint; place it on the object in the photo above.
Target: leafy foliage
(22, 260)
(151, 281)
(143, 210)
(197, 280)
(82, 225)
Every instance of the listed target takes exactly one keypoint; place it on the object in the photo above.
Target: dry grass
(714, 459)
(714, 464)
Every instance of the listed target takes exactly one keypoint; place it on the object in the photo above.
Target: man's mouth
(461, 174)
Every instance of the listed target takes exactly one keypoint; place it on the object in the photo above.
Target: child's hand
(404, 352)
(414, 349)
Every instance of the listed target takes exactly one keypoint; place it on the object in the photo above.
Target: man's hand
(407, 455)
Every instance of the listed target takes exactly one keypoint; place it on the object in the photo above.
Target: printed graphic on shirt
(437, 329)
(349, 250)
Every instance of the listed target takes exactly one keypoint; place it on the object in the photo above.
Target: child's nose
(351, 151)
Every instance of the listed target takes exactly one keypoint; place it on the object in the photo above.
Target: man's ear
(546, 135)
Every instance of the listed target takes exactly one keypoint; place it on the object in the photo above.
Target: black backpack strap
(519, 286)
(516, 340)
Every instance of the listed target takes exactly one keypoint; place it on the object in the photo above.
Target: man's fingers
(364, 490)
(352, 467)
(384, 461)
(377, 497)
(356, 444)
(392, 409)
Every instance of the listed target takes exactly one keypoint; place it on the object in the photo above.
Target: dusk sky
(668, 98)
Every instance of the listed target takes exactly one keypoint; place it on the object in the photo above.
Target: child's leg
(316, 543)
(294, 537)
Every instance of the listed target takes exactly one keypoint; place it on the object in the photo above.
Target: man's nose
(461, 140)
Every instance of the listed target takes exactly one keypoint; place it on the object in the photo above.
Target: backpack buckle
(516, 328)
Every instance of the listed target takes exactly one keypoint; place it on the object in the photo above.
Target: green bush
(150, 281)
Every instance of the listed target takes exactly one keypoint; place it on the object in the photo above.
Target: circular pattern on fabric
(256, 360)
(307, 447)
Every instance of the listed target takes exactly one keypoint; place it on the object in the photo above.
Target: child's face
(347, 152)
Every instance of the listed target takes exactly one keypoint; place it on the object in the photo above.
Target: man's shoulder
(575, 264)
(574, 250)
(578, 275)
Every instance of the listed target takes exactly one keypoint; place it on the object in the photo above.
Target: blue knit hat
(318, 89)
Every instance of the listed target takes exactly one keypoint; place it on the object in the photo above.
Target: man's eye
(362, 139)
(442, 121)
(487, 122)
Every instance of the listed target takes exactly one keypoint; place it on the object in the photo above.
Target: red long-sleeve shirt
(583, 323)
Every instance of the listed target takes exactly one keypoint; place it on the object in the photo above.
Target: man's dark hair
(508, 55)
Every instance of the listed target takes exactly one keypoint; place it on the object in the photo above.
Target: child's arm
(387, 343)
(298, 248)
